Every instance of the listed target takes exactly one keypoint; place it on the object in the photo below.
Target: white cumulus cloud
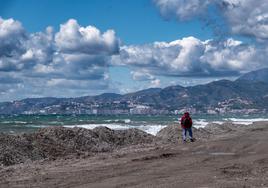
(73, 38)
(75, 58)
(190, 57)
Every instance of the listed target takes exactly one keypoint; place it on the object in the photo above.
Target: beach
(102, 93)
(226, 155)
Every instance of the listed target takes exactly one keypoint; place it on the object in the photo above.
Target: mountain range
(247, 94)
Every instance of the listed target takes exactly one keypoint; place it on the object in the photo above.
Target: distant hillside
(202, 96)
(256, 76)
(248, 94)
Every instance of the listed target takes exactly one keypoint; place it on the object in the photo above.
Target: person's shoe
(192, 140)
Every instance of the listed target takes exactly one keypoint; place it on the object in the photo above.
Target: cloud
(12, 38)
(75, 58)
(10, 28)
(74, 67)
(175, 58)
(6, 78)
(73, 48)
(144, 76)
(141, 75)
(20, 50)
(40, 47)
(155, 83)
(190, 57)
(181, 9)
(74, 85)
(231, 56)
(72, 38)
(243, 17)
(41, 87)
(247, 17)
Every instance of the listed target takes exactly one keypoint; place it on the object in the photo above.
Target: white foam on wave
(38, 126)
(6, 122)
(201, 123)
(15, 122)
(151, 129)
(245, 121)
(20, 122)
(118, 120)
(127, 120)
(56, 123)
(218, 122)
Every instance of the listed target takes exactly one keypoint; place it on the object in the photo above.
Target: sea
(151, 124)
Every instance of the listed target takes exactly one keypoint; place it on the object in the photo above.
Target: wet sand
(237, 157)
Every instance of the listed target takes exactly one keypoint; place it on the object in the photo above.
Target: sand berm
(225, 155)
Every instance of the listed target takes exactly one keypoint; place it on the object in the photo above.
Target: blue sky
(135, 22)
(66, 48)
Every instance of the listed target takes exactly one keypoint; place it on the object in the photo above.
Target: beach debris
(54, 142)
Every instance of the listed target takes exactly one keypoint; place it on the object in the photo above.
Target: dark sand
(236, 156)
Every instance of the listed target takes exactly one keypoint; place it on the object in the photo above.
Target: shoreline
(148, 124)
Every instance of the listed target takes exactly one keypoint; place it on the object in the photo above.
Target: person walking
(186, 125)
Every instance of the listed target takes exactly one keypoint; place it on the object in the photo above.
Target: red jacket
(186, 115)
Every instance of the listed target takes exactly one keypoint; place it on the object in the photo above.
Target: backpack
(187, 122)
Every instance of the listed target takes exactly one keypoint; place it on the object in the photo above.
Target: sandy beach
(225, 155)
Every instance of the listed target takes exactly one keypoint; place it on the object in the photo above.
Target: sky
(66, 48)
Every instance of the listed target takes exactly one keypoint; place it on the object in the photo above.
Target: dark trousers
(184, 133)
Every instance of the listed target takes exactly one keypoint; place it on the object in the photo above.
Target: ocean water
(149, 124)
